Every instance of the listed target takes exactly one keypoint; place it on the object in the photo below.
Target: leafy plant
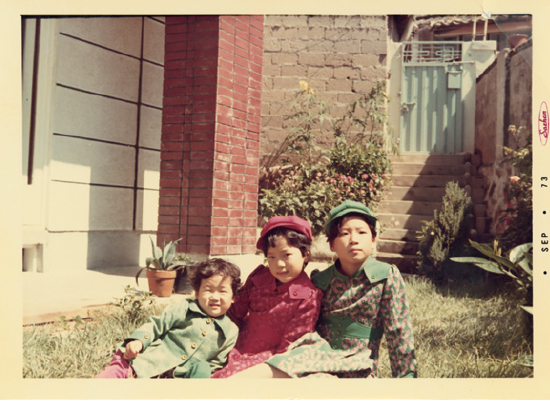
(163, 258)
(357, 166)
(135, 304)
(518, 265)
(517, 219)
(447, 234)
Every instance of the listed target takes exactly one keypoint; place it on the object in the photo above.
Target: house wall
(503, 97)
(341, 56)
(104, 155)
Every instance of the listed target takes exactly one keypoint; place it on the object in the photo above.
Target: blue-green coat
(183, 335)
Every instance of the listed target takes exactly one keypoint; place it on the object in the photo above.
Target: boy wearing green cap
(364, 300)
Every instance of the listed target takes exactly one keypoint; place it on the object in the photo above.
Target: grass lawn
(461, 330)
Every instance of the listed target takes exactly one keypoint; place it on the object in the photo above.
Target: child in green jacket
(191, 338)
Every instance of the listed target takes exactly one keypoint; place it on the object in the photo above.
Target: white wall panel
(153, 46)
(149, 169)
(79, 207)
(122, 34)
(91, 68)
(153, 81)
(147, 210)
(150, 127)
(84, 161)
(93, 116)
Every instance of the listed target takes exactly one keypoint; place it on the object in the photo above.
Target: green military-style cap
(350, 206)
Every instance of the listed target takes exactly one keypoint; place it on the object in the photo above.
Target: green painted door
(431, 98)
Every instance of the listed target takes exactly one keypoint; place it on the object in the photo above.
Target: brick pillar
(211, 133)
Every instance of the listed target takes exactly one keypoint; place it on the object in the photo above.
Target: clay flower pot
(161, 282)
(162, 268)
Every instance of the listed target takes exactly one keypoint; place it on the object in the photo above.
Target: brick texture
(211, 133)
(341, 56)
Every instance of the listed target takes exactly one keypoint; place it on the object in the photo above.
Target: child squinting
(364, 300)
(191, 338)
(278, 303)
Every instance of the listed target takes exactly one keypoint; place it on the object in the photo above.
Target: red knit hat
(292, 222)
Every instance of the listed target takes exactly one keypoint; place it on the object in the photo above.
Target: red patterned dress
(356, 312)
(270, 317)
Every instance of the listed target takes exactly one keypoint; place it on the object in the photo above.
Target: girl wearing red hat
(278, 303)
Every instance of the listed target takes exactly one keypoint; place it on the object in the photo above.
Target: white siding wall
(103, 199)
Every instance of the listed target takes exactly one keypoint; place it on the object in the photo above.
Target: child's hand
(133, 348)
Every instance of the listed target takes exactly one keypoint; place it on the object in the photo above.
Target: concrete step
(435, 180)
(430, 169)
(404, 221)
(398, 234)
(405, 263)
(430, 159)
(397, 247)
(423, 208)
(416, 194)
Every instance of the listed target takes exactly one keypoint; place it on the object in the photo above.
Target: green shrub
(446, 235)
(517, 219)
(517, 265)
(356, 167)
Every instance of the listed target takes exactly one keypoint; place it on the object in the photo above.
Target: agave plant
(518, 264)
(163, 258)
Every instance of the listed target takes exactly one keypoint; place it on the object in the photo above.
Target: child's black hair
(210, 267)
(337, 224)
(294, 238)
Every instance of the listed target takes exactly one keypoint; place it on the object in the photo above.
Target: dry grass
(461, 330)
(466, 330)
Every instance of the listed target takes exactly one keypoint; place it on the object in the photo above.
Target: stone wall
(503, 97)
(340, 56)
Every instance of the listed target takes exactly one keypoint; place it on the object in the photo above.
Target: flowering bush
(357, 168)
(310, 192)
(517, 219)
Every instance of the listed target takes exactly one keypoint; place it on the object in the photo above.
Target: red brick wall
(211, 133)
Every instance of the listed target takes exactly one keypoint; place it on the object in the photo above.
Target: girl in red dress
(278, 303)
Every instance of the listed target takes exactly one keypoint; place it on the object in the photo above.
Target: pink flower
(365, 176)
(336, 175)
(363, 192)
(332, 180)
(514, 179)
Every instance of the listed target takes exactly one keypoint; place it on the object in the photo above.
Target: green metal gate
(432, 98)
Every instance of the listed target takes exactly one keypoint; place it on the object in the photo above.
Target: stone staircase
(418, 187)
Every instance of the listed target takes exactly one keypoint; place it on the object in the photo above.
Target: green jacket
(183, 335)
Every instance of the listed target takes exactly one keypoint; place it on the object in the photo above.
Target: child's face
(285, 262)
(215, 295)
(354, 243)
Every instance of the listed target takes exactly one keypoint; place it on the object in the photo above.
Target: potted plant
(162, 268)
